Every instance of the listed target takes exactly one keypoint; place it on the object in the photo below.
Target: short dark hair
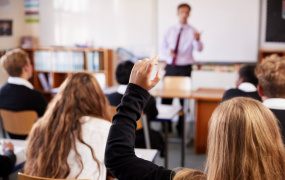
(123, 72)
(184, 5)
(248, 74)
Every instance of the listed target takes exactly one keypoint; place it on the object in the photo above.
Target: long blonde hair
(55, 134)
(244, 143)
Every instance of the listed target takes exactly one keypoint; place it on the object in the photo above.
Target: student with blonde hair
(18, 94)
(271, 86)
(244, 141)
(69, 140)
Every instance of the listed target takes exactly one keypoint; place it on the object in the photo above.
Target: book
(44, 82)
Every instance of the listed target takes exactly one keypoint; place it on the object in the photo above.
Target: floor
(192, 160)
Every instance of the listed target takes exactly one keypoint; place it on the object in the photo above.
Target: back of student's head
(123, 72)
(244, 142)
(14, 61)
(53, 136)
(271, 76)
(246, 73)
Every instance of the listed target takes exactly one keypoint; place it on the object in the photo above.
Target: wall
(16, 13)
(101, 23)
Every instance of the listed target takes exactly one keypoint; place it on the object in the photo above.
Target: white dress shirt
(187, 44)
(275, 103)
(122, 89)
(95, 133)
(247, 87)
(20, 81)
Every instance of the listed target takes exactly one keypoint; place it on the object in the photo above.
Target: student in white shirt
(246, 85)
(271, 79)
(69, 141)
(18, 94)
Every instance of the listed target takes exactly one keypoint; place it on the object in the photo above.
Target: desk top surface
(200, 94)
(208, 94)
(21, 145)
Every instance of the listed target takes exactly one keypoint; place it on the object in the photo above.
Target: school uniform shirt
(277, 106)
(18, 94)
(245, 89)
(94, 133)
(120, 158)
(187, 43)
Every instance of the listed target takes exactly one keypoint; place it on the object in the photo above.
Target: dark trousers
(177, 71)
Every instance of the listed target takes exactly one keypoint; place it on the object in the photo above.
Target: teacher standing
(179, 43)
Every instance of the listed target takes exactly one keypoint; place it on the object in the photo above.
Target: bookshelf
(265, 53)
(56, 64)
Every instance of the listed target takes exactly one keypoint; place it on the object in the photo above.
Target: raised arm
(120, 158)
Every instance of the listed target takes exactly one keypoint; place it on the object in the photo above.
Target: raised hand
(197, 35)
(141, 73)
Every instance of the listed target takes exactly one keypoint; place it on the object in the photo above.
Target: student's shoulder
(98, 122)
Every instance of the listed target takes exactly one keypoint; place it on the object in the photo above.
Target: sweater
(120, 158)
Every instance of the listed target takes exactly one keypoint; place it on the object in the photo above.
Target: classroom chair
(18, 123)
(141, 124)
(168, 112)
(22, 176)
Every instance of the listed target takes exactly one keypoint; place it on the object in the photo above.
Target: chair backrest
(177, 83)
(19, 123)
(113, 111)
(22, 176)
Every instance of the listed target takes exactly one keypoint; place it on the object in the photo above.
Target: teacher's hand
(141, 73)
(197, 36)
(172, 53)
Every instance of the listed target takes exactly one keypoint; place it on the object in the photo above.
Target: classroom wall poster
(32, 11)
(6, 28)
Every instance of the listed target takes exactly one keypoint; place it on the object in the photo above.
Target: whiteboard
(230, 28)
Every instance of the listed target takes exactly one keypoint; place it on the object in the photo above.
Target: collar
(20, 81)
(247, 87)
(275, 103)
(122, 89)
(184, 26)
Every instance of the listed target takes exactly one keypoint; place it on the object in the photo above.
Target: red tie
(176, 48)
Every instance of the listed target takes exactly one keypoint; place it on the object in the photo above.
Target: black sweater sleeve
(7, 162)
(120, 158)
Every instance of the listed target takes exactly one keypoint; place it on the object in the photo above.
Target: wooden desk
(206, 102)
(170, 93)
(20, 147)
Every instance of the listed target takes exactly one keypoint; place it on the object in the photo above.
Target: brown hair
(55, 134)
(271, 76)
(244, 142)
(184, 5)
(14, 61)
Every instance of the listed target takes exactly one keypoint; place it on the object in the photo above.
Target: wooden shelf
(106, 56)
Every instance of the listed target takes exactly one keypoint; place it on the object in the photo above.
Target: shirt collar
(247, 87)
(122, 89)
(275, 103)
(20, 81)
(184, 26)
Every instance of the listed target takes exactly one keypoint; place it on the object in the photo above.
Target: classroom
(142, 89)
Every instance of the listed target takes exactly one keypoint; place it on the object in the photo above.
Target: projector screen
(230, 28)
